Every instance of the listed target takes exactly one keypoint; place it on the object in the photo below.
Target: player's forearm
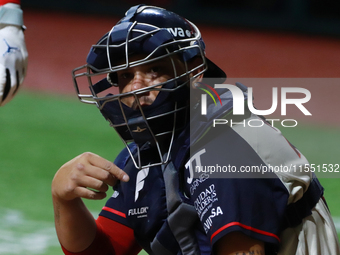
(75, 225)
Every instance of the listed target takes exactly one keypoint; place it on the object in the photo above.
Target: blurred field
(40, 132)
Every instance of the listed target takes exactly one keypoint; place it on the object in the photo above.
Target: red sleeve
(2, 2)
(111, 238)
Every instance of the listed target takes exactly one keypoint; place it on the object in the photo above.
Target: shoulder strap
(181, 219)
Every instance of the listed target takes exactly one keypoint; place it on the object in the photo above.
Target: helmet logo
(178, 31)
(138, 130)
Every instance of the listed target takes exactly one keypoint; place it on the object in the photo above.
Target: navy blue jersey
(254, 204)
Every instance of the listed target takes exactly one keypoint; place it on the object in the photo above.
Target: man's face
(147, 75)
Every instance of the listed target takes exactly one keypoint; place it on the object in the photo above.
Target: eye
(126, 75)
(155, 69)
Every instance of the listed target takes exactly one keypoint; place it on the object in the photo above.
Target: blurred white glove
(13, 52)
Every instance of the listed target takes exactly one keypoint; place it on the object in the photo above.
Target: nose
(139, 81)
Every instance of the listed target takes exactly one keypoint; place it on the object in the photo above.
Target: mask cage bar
(163, 156)
(92, 71)
(93, 98)
(127, 64)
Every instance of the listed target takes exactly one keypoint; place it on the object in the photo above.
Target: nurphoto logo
(239, 100)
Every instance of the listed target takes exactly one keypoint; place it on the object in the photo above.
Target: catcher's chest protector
(181, 219)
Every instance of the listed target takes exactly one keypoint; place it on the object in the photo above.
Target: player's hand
(86, 176)
(13, 60)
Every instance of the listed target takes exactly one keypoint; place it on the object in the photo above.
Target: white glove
(13, 53)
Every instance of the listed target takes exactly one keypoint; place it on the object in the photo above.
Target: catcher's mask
(154, 34)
